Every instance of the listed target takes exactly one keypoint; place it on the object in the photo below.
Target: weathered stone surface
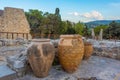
(15, 57)
(1, 22)
(1, 18)
(18, 63)
(1, 12)
(1, 43)
(106, 48)
(100, 67)
(14, 20)
(3, 60)
(6, 73)
(9, 42)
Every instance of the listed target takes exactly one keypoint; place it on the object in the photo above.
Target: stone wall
(0, 23)
(1, 20)
(14, 20)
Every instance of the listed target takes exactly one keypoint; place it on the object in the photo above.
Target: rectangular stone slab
(6, 73)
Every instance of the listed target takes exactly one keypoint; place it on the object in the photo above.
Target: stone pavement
(6, 73)
(100, 67)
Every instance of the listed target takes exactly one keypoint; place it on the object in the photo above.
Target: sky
(72, 10)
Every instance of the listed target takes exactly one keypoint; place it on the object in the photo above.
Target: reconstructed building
(13, 24)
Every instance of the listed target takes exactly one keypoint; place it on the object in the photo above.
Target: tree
(86, 31)
(64, 27)
(98, 28)
(52, 23)
(79, 28)
(113, 30)
(34, 18)
(70, 28)
(58, 22)
(57, 13)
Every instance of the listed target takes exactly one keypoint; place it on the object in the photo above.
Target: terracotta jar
(88, 50)
(71, 50)
(40, 56)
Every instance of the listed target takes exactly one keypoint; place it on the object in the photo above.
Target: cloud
(93, 15)
(74, 13)
(89, 15)
(115, 4)
(114, 17)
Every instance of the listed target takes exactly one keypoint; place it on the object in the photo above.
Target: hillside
(92, 24)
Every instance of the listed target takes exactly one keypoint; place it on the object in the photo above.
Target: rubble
(18, 64)
(15, 56)
(106, 48)
(10, 42)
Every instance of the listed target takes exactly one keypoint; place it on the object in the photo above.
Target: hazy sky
(73, 10)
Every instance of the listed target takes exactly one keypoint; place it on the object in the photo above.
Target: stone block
(6, 73)
(18, 64)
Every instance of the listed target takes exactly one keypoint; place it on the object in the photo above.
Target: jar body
(71, 50)
(88, 50)
(40, 57)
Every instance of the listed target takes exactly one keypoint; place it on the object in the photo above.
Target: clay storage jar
(71, 50)
(88, 50)
(40, 56)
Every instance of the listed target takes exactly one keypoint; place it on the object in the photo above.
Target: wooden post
(23, 35)
(17, 35)
(12, 36)
(7, 35)
(26, 35)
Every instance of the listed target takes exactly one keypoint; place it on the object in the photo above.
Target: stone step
(6, 73)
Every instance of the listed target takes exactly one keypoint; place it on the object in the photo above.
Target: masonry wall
(0, 22)
(1, 18)
(14, 20)
(1, 28)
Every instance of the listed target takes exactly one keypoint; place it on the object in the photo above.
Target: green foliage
(50, 23)
(57, 13)
(70, 28)
(113, 31)
(79, 27)
(34, 18)
(98, 28)
(86, 31)
(44, 23)
(63, 27)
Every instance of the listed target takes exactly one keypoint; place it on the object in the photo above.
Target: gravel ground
(100, 67)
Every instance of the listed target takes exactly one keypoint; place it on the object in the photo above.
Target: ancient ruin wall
(0, 23)
(14, 20)
(1, 20)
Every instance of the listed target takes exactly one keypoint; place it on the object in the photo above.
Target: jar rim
(70, 36)
(40, 40)
(87, 43)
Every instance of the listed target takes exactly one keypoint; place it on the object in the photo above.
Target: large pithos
(71, 50)
(88, 50)
(40, 57)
